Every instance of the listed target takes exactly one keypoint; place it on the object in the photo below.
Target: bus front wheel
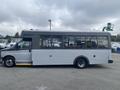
(9, 61)
(81, 63)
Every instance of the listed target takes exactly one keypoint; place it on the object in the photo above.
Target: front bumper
(110, 61)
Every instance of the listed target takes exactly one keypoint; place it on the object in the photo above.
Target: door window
(24, 45)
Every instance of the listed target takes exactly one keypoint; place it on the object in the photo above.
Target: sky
(66, 15)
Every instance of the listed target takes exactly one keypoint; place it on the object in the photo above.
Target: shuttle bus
(59, 48)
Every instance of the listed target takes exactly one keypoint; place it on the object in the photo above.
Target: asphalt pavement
(95, 77)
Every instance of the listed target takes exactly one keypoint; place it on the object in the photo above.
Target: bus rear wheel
(81, 63)
(9, 61)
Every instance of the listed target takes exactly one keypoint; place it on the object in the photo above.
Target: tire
(81, 63)
(9, 61)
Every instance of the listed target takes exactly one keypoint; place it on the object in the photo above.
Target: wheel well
(81, 57)
(8, 56)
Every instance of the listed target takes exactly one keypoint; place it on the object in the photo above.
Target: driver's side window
(24, 45)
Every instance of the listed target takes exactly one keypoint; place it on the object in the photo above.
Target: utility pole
(50, 23)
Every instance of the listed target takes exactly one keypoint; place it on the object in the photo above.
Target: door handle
(94, 56)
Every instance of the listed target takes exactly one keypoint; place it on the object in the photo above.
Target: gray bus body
(60, 48)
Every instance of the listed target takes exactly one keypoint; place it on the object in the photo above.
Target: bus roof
(35, 33)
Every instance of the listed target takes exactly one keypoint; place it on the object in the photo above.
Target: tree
(17, 35)
(8, 38)
(113, 38)
(118, 38)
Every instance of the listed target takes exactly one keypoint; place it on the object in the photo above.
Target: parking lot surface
(95, 77)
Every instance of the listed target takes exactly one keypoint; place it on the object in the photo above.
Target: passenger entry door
(23, 52)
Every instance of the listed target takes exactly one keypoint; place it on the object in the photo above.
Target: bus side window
(80, 42)
(48, 41)
(103, 42)
(45, 41)
(69, 42)
(91, 42)
(57, 41)
(65, 41)
(94, 42)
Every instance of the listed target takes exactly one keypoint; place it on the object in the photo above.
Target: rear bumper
(110, 61)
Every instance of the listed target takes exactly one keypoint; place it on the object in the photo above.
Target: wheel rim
(81, 63)
(9, 62)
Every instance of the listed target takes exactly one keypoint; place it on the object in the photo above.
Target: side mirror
(30, 48)
(17, 47)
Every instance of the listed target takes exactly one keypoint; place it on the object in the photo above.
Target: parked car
(2, 45)
(115, 46)
(10, 44)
